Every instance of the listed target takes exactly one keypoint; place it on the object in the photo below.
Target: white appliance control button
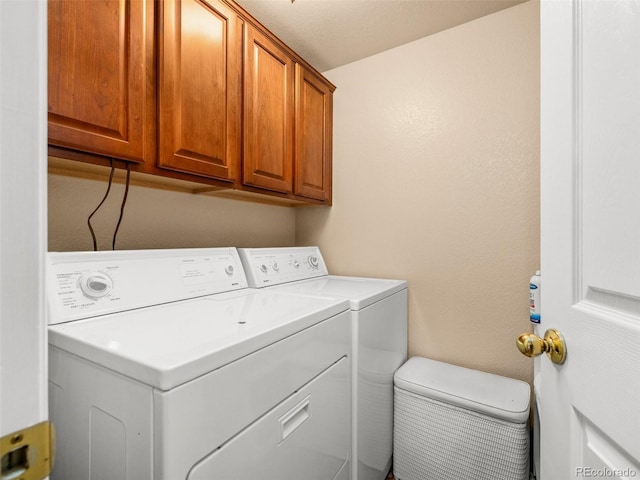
(96, 284)
(263, 268)
(229, 270)
(275, 267)
(296, 264)
(313, 261)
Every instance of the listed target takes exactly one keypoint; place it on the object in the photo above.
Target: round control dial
(263, 268)
(96, 284)
(275, 266)
(229, 270)
(313, 261)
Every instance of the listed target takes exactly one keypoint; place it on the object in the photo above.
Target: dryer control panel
(86, 284)
(274, 266)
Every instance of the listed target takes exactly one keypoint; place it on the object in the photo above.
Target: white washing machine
(379, 335)
(164, 366)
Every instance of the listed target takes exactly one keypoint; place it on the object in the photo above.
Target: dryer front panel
(193, 420)
(305, 436)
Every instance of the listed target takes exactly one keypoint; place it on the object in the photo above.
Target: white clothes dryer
(379, 336)
(164, 366)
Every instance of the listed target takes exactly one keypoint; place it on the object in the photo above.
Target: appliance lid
(167, 345)
(360, 291)
(494, 395)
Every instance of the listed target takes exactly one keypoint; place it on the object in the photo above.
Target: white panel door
(23, 169)
(589, 407)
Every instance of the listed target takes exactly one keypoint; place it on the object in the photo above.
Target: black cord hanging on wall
(104, 198)
(124, 202)
(106, 194)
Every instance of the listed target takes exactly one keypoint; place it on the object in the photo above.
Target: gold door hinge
(28, 454)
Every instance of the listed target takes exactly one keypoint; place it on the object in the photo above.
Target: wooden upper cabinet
(313, 135)
(101, 70)
(200, 90)
(268, 114)
(195, 90)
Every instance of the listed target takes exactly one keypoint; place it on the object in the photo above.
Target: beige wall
(436, 162)
(159, 218)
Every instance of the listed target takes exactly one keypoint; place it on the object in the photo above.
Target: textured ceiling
(330, 33)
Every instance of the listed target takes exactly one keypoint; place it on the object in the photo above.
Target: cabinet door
(100, 60)
(313, 138)
(200, 96)
(268, 114)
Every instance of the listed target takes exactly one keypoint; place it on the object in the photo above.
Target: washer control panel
(274, 266)
(86, 284)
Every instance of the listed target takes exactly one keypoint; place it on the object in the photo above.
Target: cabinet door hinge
(28, 454)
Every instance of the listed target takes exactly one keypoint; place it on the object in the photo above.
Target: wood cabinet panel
(313, 136)
(100, 60)
(268, 114)
(200, 92)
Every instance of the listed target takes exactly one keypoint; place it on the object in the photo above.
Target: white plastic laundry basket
(454, 423)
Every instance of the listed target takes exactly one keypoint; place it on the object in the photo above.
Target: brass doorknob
(552, 344)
